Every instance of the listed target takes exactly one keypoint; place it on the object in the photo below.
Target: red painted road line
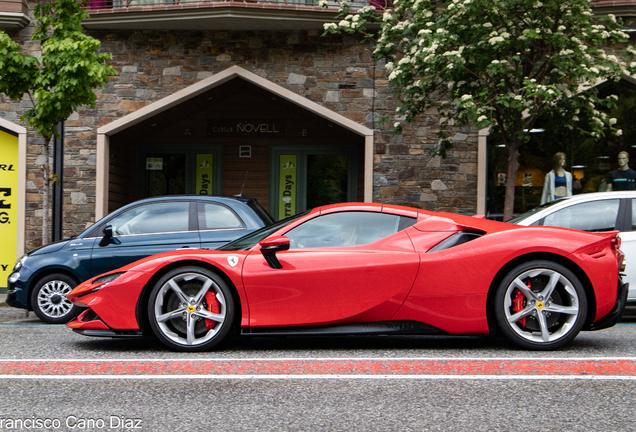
(317, 367)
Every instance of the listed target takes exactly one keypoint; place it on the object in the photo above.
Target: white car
(600, 211)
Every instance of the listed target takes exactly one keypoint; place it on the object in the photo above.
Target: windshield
(250, 240)
(533, 211)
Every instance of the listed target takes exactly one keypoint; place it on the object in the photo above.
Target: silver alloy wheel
(190, 309)
(52, 299)
(540, 305)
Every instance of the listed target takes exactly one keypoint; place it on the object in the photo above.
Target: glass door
(164, 174)
(327, 179)
(303, 178)
(186, 170)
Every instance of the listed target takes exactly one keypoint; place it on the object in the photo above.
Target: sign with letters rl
(8, 204)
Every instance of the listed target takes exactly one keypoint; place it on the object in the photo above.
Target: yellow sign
(8, 204)
(287, 187)
(204, 174)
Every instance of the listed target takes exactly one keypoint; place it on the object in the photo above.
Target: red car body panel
(395, 278)
(311, 277)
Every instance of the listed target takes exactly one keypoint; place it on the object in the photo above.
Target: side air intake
(456, 239)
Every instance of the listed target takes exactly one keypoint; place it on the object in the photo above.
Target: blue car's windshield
(250, 240)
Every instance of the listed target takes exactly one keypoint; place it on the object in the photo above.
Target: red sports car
(367, 269)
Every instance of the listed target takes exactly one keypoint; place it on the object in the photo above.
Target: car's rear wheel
(540, 305)
(191, 309)
(49, 302)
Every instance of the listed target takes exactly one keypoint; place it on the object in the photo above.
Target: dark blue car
(42, 278)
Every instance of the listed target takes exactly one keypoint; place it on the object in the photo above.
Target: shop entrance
(304, 178)
(589, 160)
(234, 128)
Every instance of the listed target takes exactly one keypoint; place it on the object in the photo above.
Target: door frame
(301, 152)
(191, 152)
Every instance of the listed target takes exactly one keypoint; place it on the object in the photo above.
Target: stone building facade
(334, 72)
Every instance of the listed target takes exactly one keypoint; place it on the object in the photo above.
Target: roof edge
(12, 126)
(218, 79)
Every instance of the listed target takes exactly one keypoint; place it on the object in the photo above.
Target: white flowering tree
(495, 63)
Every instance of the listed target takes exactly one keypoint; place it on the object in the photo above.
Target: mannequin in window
(622, 178)
(558, 182)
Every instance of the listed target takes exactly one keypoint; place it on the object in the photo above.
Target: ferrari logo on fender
(232, 261)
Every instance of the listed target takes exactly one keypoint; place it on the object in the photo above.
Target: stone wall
(336, 72)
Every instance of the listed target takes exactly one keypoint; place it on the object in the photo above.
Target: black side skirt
(371, 328)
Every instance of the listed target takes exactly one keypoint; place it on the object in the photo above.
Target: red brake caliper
(517, 304)
(213, 306)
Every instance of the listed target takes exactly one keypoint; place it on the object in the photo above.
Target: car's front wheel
(540, 305)
(191, 309)
(49, 302)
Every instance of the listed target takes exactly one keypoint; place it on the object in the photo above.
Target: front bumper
(616, 314)
(17, 297)
(88, 323)
(18, 288)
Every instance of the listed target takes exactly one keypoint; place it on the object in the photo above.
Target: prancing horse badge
(232, 260)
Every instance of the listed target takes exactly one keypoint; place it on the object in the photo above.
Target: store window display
(558, 182)
(622, 178)
(589, 158)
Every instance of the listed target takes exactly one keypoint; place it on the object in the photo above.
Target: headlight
(104, 280)
(18, 265)
(13, 278)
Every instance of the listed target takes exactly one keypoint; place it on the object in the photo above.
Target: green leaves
(492, 63)
(63, 78)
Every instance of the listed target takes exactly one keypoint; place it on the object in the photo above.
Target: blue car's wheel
(540, 305)
(49, 302)
(191, 309)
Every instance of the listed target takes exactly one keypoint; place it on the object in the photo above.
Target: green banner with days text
(287, 187)
(204, 174)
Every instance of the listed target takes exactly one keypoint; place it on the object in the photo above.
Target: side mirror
(270, 246)
(108, 236)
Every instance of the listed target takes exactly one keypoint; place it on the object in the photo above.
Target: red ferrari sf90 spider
(367, 269)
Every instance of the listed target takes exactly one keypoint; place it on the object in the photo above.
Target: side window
(215, 216)
(346, 229)
(591, 216)
(153, 218)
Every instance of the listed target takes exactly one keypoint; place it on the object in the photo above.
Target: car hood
(49, 248)
(150, 263)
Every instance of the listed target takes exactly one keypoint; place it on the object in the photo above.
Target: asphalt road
(71, 397)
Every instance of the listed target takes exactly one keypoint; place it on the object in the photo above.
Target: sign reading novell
(8, 204)
(246, 127)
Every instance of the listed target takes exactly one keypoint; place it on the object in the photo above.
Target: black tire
(49, 302)
(548, 315)
(185, 318)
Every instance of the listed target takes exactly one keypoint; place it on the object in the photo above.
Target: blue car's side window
(215, 216)
(153, 218)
